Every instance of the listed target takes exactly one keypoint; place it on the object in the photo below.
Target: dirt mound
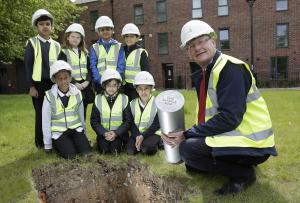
(96, 181)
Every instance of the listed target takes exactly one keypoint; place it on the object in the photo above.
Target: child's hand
(85, 84)
(138, 142)
(33, 92)
(79, 86)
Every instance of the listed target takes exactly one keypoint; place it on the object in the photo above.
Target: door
(169, 76)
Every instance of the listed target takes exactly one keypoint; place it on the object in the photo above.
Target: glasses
(200, 42)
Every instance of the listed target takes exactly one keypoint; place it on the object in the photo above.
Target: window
(141, 42)
(222, 8)
(138, 15)
(197, 9)
(93, 19)
(224, 39)
(279, 68)
(281, 5)
(161, 11)
(163, 47)
(282, 35)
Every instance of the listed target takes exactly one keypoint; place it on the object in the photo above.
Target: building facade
(276, 34)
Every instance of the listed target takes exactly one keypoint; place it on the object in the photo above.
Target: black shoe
(232, 188)
(191, 170)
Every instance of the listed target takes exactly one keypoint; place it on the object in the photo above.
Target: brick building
(276, 33)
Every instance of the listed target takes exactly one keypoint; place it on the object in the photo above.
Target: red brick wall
(238, 22)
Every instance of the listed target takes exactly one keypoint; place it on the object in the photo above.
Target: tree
(15, 23)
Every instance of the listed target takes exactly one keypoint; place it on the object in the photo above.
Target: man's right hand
(33, 92)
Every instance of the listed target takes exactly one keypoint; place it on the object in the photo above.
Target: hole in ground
(96, 180)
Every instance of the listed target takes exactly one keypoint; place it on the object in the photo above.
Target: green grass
(278, 178)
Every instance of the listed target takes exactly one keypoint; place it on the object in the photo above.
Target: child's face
(112, 87)
(144, 92)
(105, 33)
(130, 39)
(74, 39)
(63, 79)
(44, 28)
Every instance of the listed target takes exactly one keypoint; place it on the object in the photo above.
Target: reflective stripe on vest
(143, 120)
(255, 130)
(79, 66)
(111, 119)
(107, 60)
(133, 66)
(64, 118)
(53, 54)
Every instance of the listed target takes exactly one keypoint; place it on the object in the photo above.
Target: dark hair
(43, 18)
(108, 81)
(81, 45)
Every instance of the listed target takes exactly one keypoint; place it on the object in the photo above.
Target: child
(106, 53)
(75, 53)
(63, 119)
(110, 116)
(136, 58)
(41, 52)
(145, 134)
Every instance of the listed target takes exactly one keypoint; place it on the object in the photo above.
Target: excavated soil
(98, 181)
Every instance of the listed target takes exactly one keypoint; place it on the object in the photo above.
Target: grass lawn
(278, 180)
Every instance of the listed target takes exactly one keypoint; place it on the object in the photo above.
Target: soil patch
(97, 180)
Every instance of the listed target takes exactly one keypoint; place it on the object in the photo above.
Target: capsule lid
(169, 101)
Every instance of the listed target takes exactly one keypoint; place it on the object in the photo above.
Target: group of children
(63, 81)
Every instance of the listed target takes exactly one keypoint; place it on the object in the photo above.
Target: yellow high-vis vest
(143, 120)
(133, 66)
(107, 60)
(63, 118)
(255, 130)
(111, 119)
(79, 65)
(53, 54)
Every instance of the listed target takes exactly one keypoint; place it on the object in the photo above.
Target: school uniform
(111, 113)
(79, 62)
(145, 123)
(136, 61)
(104, 55)
(63, 122)
(40, 54)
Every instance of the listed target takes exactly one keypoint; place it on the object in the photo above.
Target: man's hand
(173, 139)
(33, 92)
(138, 142)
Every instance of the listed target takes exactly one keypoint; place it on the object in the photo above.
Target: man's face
(202, 50)
(105, 33)
(130, 39)
(63, 79)
(44, 28)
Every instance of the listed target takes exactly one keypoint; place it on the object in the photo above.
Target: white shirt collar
(76, 51)
(43, 39)
(63, 94)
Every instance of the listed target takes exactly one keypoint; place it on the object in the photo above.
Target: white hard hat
(143, 78)
(58, 66)
(103, 21)
(130, 28)
(109, 74)
(39, 13)
(193, 29)
(75, 27)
